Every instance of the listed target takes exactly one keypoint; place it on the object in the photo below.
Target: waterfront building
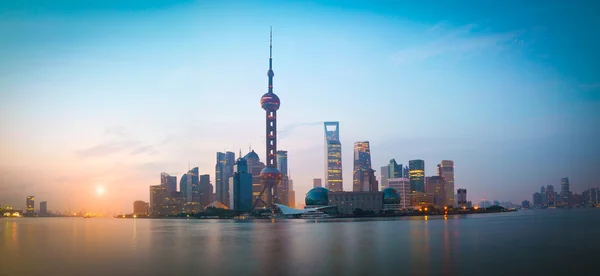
(292, 193)
(348, 202)
(158, 200)
(333, 157)
(525, 204)
(402, 186)
(206, 190)
(183, 188)
(317, 182)
(362, 163)
(43, 208)
(170, 182)
(283, 189)
(384, 176)
(421, 200)
(565, 193)
(416, 173)
(254, 168)
(391, 199)
(30, 205)
(223, 171)
(446, 170)
(240, 187)
(365, 181)
(461, 195)
(140, 207)
(550, 196)
(436, 185)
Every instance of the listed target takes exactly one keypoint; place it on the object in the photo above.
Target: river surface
(530, 242)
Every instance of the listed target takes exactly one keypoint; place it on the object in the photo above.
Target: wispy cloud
(119, 131)
(107, 148)
(455, 41)
(291, 128)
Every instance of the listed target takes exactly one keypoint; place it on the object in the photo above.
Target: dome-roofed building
(391, 196)
(317, 197)
(252, 155)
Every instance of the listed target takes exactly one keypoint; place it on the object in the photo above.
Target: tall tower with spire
(270, 177)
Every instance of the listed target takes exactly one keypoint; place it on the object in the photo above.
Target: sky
(109, 94)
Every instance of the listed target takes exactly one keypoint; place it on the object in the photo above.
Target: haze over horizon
(111, 94)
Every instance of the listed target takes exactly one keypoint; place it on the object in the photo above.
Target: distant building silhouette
(140, 207)
(363, 173)
(462, 197)
(283, 189)
(446, 170)
(43, 208)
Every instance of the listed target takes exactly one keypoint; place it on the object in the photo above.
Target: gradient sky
(106, 93)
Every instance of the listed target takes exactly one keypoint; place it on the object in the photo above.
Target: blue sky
(112, 94)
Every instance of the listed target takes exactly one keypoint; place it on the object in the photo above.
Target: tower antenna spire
(270, 72)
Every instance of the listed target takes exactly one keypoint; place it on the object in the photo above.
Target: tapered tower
(270, 177)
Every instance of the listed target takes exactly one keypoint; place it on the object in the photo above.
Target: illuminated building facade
(170, 182)
(421, 200)
(361, 180)
(270, 176)
(333, 157)
(223, 171)
(240, 187)
(30, 205)
(436, 186)
(462, 197)
(402, 186)
(446, 170)
(416, 173)
(158, 200)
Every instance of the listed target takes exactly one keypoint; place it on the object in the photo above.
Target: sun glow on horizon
(100, 190)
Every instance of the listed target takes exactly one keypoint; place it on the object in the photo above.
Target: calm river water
(531, 242)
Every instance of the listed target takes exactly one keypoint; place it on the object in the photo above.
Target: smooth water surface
(530, 242)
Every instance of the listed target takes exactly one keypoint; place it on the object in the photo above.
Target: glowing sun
(99, 190)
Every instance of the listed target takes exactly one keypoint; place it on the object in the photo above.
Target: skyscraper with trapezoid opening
(333, 157)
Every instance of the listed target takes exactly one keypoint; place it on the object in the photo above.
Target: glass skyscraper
(363, 172)
(333, 157)
(283, 188)
(416, 173)
(223, 170)
(446, 170)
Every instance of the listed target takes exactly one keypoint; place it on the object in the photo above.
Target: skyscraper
(462, 197)
(186, 195)
(416, 173)
(565, 194)
(362, 165)
(254, 168)
(206, 190)
(270, 177)
(550, 196)
(193, 181)
(43, 208)
(384, 176)
(333, 157)
(223, 171)
(240, 187)
(158, 200)
(396, 170)
(282, 166)
(446, 170)
(170, 182)
(436, 185)
(30, 205)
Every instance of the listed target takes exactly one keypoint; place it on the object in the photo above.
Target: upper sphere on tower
(270, 102)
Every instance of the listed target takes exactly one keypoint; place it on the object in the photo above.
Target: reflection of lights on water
(134, 216)
(426, 218)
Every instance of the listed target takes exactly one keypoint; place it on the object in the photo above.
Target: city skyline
(96, 123)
